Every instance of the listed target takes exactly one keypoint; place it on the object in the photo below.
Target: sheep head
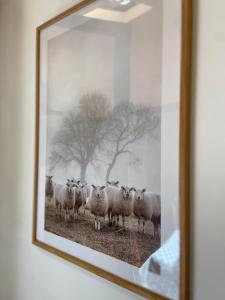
(126, 192)
(98, 191)
(139, 194)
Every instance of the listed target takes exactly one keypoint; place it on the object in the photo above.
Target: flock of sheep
(111, 200)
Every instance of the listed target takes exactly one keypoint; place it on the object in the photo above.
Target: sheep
(123, 204)
(64, 198)
(98, 204)
(120, 203)
(86, 190)
(49, 190)
(78, 200)
(113, 192)
(147, 206)
(113, 183)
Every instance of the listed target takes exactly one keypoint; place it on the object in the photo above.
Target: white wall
(28, 273)
(208, 151)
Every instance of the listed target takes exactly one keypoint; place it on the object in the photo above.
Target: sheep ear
(78, 181)
(102, 188)
(51, 177)
(108, 182)
(123, 188)
(67, 184)
(74, 185)
(82, 186)
(117, 182)
(144, 190)
(94, 187)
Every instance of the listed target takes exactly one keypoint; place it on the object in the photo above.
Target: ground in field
(129, 245)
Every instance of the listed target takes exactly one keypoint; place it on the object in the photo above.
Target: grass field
(129, 245)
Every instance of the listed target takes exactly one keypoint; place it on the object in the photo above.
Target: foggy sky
(124, 63)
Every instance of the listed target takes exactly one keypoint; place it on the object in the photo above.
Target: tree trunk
(110, 167)
(108, 173)
(83, 169)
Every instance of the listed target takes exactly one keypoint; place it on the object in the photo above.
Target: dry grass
(129, 245)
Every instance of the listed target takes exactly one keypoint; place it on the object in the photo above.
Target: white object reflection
(165, 263)
(119, 16)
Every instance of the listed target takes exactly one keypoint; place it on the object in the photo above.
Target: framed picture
(112, 142)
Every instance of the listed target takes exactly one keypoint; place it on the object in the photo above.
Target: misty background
(121, 64)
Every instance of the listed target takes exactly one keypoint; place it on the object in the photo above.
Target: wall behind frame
(29, 273)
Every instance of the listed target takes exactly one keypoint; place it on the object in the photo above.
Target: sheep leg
(109, 218)
(65, 216)
(123, 219)
(143, 226)
(139, 223)
(96, 225)
(157, 231)
(118, 220)
(99, 225)
(60, 210)
(113, 219)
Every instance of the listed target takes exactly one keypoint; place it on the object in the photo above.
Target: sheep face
(76, 182)
(49, 188)
(70, 185)
(49, 179)
(98, 191)
(126, 192)
(113, 183)
(139, 194)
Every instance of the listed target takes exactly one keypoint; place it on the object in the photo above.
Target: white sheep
(123, 204)
(80, 198)
(49, 189)
(86, 191)
(120, 203)
(98, 204)
(147, 207)
(113, 193)
(64, 198)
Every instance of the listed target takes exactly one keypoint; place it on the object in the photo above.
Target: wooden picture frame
(184, 157)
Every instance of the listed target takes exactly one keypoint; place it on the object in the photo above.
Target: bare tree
(129, 124)
(83, 131)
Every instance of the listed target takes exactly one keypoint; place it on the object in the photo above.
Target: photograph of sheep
(103, 126)
(110, 157)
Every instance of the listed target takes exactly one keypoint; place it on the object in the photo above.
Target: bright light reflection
(119, 16)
